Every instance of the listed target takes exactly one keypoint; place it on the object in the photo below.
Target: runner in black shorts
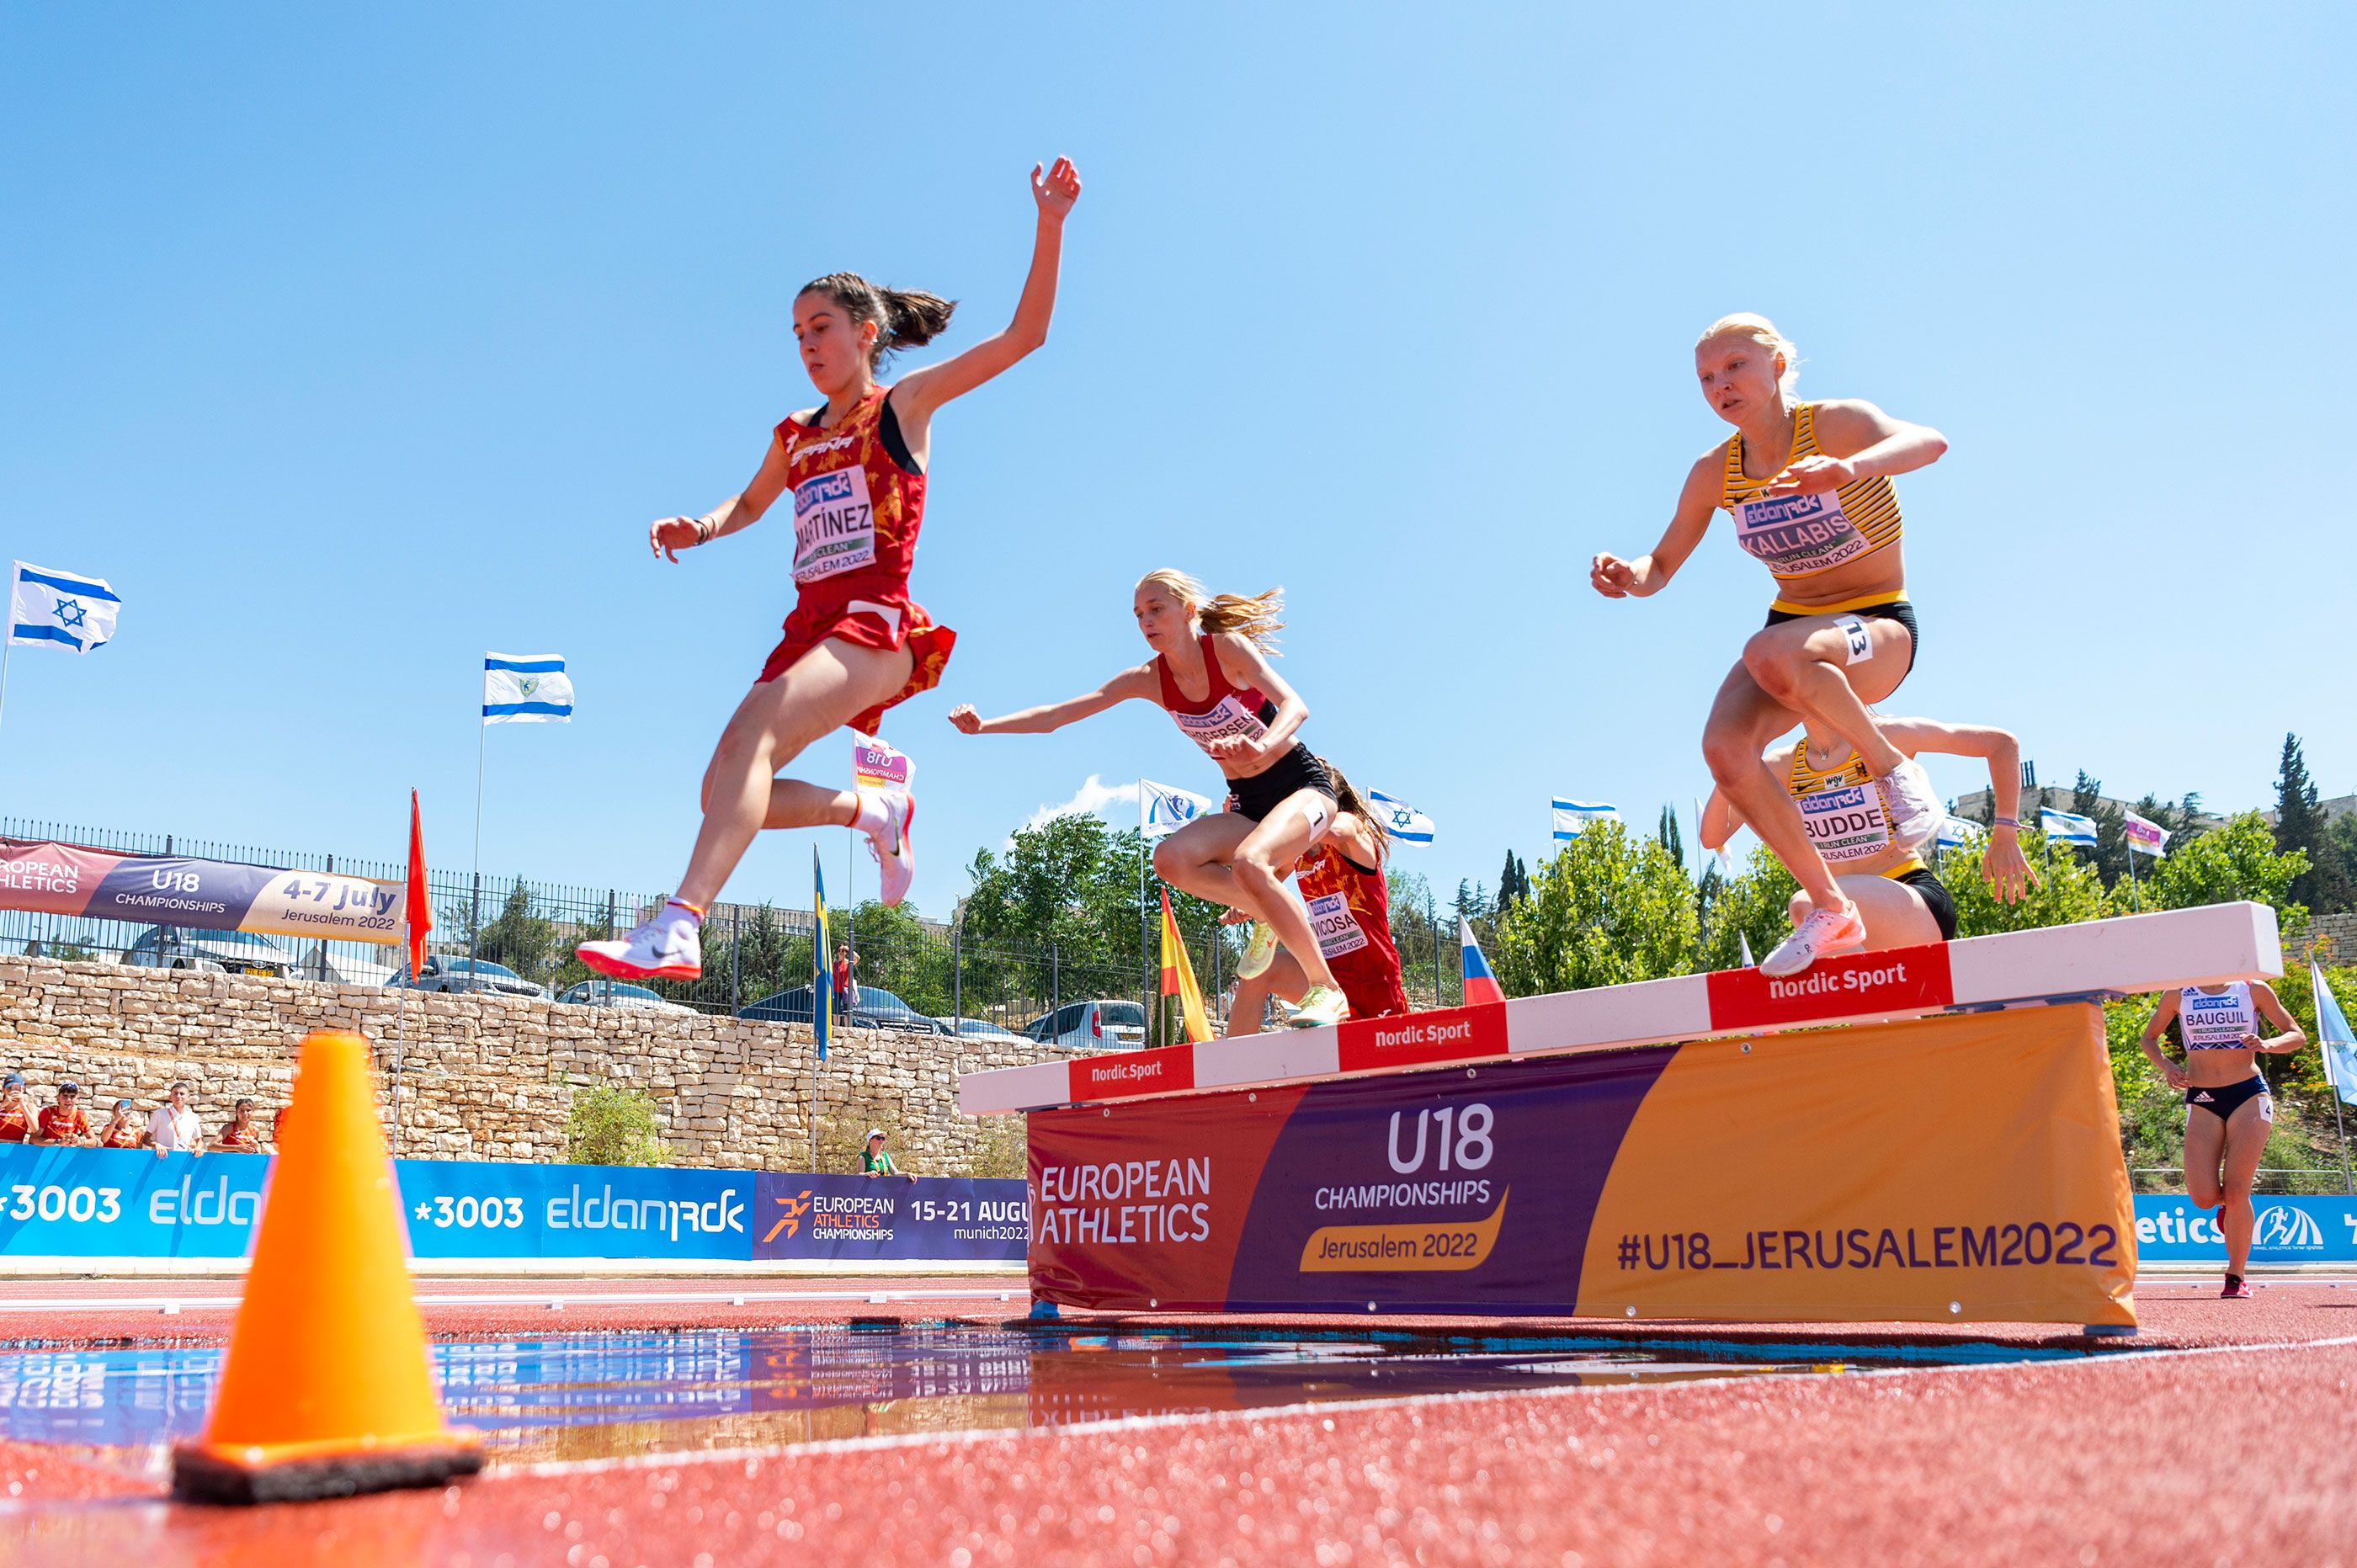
(1210, 672)
(1847, 817)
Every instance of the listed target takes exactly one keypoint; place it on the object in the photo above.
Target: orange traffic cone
(328, 1389)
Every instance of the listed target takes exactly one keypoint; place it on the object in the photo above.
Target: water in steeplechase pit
(603, 1395)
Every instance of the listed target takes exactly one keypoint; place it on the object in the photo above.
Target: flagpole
(475, 914)
(1144, 960)
(8, 650)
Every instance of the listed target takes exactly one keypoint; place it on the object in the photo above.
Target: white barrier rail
(2134, 953)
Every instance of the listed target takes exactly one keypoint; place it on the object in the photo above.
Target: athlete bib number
(1846, 824)
(1795, 535)
(1337, 929)
(1226, 717)
(2214, 1023)
(834, 526)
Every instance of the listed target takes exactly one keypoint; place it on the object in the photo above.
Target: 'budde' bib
(834, 526)
(1224, 718)
(1795, 535)
(1337, 929)
(1845, 823)
(2216, 1023)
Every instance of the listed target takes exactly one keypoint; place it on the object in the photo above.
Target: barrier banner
(1946, 1169)
(201, 895)
(126, 1203)
(2169, 1230)
(850, 1218)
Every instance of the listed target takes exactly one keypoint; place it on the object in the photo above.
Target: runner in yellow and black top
(1900, 900)
(1808, 485)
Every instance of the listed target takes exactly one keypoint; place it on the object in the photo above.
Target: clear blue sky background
(349, 347)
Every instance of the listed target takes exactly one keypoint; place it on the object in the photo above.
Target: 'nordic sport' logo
(2282, 1226)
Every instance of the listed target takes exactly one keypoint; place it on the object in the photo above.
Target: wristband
(706, 528)
(2007, 822)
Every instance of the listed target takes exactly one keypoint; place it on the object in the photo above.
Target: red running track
(2242, 1449)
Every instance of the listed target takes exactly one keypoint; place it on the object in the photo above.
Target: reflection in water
(585, 1395)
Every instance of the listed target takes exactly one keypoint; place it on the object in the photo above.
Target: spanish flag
(1178, 975)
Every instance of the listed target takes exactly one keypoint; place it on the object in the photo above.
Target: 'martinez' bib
(2216, 1023)
(834, 525)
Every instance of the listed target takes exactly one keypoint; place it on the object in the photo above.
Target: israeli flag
(60, 609)
(527, 689)
(2065, 827)
(1573, 818)
(1163, 810)
(1400, 820)
(1955, 832)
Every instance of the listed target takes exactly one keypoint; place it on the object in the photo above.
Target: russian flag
(1480, 985)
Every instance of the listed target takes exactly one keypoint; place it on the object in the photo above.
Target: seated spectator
(16, 1110)
(876, 1162)
(172, 1127)
(121, 1132)
(241, 1136)
(64, 1124)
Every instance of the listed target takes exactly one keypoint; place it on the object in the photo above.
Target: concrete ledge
(523, 1268)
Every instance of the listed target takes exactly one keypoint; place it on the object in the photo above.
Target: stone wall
(2332, 938)
(492, 1078)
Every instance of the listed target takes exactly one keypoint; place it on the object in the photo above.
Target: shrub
(614, 1125)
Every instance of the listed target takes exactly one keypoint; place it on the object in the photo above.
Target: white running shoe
(1824, 933)
(889, 841)
(1320, 1005)
(1908, 804)
(660, 949)
(1260, 952)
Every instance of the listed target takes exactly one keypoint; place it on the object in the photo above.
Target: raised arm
(917, 394)
(669, 535)
(1857, 441)
(1697, 498)
(1243, 662)
(2290, 1037)
(1138, 681)
(2003, 867)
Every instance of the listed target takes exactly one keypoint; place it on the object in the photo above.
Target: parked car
(216, 952)
(876, 1008)
(1113, 1025)
(616, 993)
(979, 1030)
(469, 974)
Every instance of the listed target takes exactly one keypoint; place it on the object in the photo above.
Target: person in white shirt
(173, 1126)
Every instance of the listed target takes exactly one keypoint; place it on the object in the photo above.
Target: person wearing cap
(64, 1123)
(16, 1110)
(173, 1126)
(122, 1130)
(241, 1136)
(876, 1161)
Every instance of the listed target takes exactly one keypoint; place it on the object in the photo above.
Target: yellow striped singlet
(1842, 809)
(1797, 536)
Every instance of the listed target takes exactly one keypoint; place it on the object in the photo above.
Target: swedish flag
(822, 993)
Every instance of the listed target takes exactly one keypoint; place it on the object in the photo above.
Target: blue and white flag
(527, 689)
(1955, 832)
(1163, 810)
(60, 609)
(1400, 820)
(1573, 818)
(2065, 827)
(2333, 1039)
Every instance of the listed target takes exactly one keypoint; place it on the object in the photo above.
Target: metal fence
(755, 956)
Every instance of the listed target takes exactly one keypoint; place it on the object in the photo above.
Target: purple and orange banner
(1947, 1169)
(203, 895)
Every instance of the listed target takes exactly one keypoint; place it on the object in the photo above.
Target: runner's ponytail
(904, 317)
(1347, 798)
(1252, 616)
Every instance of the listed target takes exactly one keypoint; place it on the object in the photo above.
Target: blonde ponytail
(1763, 331)
(1252, 616)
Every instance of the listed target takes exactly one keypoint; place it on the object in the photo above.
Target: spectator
(876, 1161)
(173, 1127)
(241, 1136)
(846, 964)
(64, 1123)
(16, 1112)
(121, 1132)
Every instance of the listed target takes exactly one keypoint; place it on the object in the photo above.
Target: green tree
(2239, 860)
(1429, 968)
(519, 937)
(1667, 831)
(2330, 880)
(2068, 889)
(1753, 905)
(1608, 908)
(2110, 855)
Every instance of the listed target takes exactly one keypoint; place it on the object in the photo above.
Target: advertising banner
(201, 895)
(126, 1203)
(1949, 1169)
(848, 1219)
(2169, 1230)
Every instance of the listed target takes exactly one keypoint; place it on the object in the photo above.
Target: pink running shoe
(1824, 933)
(896, 856)
(2237, 1289)
(660, 949)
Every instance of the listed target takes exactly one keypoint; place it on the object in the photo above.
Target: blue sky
(349, 347)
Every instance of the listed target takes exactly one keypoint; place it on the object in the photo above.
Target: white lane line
(752, 1458)
(164, 1304)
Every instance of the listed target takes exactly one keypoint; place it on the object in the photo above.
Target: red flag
(417, 912)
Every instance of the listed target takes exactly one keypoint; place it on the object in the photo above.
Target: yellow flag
(1178, 975)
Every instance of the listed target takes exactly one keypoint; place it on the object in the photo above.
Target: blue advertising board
(2169, 1230)
(116, 1203)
